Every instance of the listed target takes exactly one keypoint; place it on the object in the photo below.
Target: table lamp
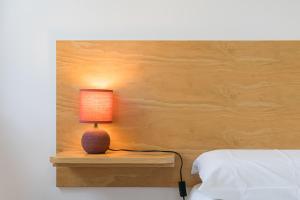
(95, 107)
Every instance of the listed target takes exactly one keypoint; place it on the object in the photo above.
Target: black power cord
(181, 183)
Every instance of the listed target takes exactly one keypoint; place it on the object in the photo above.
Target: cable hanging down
(181, 183)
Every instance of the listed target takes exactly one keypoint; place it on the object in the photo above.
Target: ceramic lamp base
(95, 142)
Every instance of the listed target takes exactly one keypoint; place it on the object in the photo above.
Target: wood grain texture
(188, 96)
(113, 159)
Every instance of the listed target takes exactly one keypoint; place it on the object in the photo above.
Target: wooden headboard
(189, 96)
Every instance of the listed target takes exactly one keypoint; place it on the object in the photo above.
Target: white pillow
(249, 174)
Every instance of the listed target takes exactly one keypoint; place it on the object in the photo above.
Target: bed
(247, 175)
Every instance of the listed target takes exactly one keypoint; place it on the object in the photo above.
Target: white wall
(28, 30)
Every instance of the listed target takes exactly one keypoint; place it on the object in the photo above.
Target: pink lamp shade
(96, 105)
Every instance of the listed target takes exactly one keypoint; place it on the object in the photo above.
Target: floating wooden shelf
(113, 159)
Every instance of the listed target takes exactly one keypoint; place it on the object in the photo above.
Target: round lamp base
(95, 142)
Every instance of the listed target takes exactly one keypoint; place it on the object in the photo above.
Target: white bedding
(252, 194)
(248, 175)
(195, 194)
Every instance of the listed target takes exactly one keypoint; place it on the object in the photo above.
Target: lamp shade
(96, 105)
